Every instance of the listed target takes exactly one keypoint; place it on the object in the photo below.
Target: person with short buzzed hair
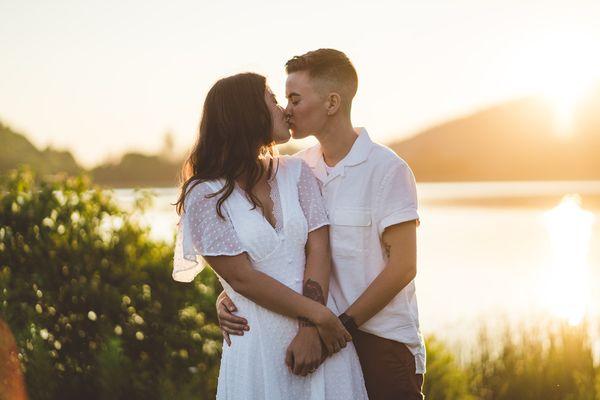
(371, 200)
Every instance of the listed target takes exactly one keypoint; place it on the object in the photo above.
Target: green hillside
(16, 150)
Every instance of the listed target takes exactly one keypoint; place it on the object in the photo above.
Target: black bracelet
(348, 323)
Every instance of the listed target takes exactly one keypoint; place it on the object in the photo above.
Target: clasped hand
(309, 348)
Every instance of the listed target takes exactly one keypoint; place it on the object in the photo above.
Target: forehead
(298, 83)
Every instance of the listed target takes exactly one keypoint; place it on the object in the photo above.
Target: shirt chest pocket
(350, 229)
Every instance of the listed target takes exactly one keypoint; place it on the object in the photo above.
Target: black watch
(348, 323)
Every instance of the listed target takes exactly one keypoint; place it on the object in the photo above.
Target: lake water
(488, 253)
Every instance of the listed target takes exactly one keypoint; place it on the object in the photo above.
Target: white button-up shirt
(370, 189)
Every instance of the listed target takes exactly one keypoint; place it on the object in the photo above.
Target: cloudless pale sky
(103, 77)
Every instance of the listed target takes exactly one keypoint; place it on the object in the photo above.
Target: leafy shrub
(91, 302)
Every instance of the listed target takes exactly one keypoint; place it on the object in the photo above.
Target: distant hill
(15, 149)
(133, 169)
(512, 141)
(136, 169)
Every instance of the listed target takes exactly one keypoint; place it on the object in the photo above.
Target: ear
(334, 101)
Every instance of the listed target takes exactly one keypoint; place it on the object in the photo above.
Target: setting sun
(567, 68)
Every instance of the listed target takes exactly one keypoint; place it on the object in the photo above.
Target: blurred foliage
(445, 378)
(91, 302)
(95, 313)
(550, 361)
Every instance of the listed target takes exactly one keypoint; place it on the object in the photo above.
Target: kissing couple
(316, 252)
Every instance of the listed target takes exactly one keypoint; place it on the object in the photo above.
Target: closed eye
(293, 98)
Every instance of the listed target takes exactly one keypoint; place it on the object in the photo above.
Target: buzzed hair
(330, 68)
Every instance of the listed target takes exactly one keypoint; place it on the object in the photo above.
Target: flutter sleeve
(201, 232)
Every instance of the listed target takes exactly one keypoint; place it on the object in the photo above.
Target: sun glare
(567, 67)
(565, 287)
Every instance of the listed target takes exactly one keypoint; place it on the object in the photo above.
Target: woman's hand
(304, 354)
(331, 330)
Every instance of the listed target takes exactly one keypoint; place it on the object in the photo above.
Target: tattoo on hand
(313, 291)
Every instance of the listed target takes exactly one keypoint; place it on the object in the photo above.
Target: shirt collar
(358, 153)
(360, 149)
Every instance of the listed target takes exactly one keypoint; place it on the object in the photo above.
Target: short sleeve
(311, 199)
(201, 232)
(396, 198)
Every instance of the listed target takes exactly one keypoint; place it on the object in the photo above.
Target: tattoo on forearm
(313, 291)
(387, 249)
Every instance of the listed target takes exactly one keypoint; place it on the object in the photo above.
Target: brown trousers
(388, 367)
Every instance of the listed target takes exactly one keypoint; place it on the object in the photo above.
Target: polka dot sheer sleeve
(201, 232)
(311, 199)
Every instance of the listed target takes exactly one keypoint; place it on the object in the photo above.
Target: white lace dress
(254, 366)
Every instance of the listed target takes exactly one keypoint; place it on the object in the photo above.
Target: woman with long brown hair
(259, 221)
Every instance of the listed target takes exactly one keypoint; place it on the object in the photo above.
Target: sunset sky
(111, 76)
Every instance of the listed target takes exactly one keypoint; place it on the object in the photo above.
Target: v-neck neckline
(273, 185)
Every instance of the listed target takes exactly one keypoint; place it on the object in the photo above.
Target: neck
(267, 163)
(336, 140)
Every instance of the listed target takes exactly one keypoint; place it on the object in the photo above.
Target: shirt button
(290, 260)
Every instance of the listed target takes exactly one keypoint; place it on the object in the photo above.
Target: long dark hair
(235, 130)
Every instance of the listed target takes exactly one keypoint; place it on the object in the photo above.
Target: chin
(283, 138)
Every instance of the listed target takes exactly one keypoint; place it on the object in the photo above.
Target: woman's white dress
(254, 366)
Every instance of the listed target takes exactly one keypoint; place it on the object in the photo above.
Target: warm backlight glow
(565, 97)
(567, 68)
(565, 283)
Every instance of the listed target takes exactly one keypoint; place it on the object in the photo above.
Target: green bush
(91, 302)
(445, 379)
